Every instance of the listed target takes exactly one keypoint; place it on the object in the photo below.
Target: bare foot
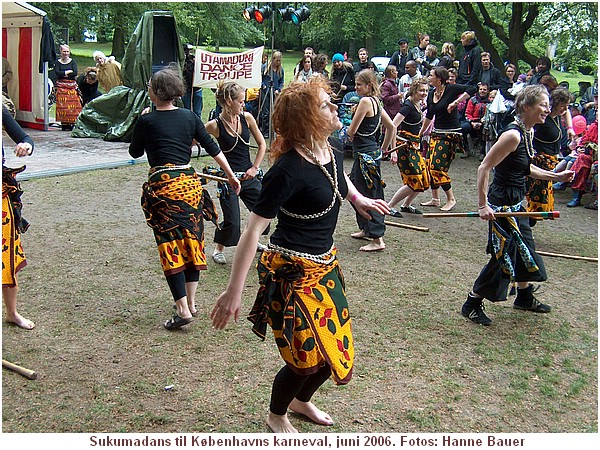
(193, 309)
(359, 235)
(280, 424)
(449, 206)
(311, 411)
(432, 202)
(21, 322)
(373, 247)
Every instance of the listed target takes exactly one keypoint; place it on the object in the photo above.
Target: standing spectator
(470, 61)
(13, 224)
(400, 56)
(306, 72)
(232, 129)
(366, 124)
(542, 68)
(510, 239)
(473, 123)
(363, 61)
(446, 138)
(7, 74)
(508, 81)
(589, 103)
(88, 85)
(431, 59)
(192, 98)
(389, 92)
(304, 189)
(417, 53)
(412, 73)
(448, 55)
(173, 199)
(320, 62)
(271, 86)
(109, 71)
(68, 102)
(308, 51)
(488, 73)
(342, 78)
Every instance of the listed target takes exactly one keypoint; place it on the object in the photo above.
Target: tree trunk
(118, 44)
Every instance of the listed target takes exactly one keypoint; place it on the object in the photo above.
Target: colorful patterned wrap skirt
(305, 304)
(13, 224)
(443, 147)
(175, 205)
(411, 164)
(68, 102)
(540, 194)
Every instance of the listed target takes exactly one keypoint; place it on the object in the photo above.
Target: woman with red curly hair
(301, 293)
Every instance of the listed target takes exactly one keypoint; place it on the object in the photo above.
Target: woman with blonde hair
(301, 295)
(364, 130)
(232, 129)
(68, 101)
(470, 62)
(448, 55)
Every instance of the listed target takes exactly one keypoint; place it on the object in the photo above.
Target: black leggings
(288, 385)
(177, 281)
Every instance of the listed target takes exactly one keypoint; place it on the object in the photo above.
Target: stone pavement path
(57, 152)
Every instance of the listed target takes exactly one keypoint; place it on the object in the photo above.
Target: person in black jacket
(342, 77)
(400, 57)
(488, 73)
(542, 67)
(470, 61)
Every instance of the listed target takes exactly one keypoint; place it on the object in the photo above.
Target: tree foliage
(514, 31)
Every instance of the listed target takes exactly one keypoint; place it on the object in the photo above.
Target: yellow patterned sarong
(442, 150)
(540, 194)
(13, 257)
(175, 204)
(68, 102)
(411, 164)
(305, 304)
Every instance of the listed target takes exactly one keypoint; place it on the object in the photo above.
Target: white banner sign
(243, 68)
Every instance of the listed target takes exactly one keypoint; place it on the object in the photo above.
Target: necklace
(528, 135)
(556, 122)
(333, 181)
(420, 113)
(233, 131)
(439, 93)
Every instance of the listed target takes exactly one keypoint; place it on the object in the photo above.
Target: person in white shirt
(412, 73)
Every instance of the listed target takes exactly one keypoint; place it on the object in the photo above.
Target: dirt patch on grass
(95, 290)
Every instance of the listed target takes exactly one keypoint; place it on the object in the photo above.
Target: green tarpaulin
(113, 115)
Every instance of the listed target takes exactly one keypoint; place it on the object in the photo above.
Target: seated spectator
(542, 67)
(474, 114)
(88, 85)
(108, 71)
(587, 156)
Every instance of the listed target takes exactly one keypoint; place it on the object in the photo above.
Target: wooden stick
(212, 177)
(561, 255)
(542, 215)
(27, 373)
(404, 225)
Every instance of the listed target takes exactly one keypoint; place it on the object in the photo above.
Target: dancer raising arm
(299, 274)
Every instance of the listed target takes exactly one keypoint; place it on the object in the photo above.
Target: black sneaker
(534, 305)
(395, 213)
(473, 310)
(410, 209)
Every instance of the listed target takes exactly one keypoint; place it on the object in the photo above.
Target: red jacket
(476, 108)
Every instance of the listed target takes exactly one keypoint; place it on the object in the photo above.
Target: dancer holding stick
(510, 240)
(173, 200)
(301, 293)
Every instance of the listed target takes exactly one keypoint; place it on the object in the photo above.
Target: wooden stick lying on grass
(561, 255)
(404, 225)
(541, 215)
(27, 373)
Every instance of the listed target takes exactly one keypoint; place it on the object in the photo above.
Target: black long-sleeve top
(14, 131)
(61, 68)
(443, 119)
(166, 137)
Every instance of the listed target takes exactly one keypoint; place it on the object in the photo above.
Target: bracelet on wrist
(353, 198)
(481, 207)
